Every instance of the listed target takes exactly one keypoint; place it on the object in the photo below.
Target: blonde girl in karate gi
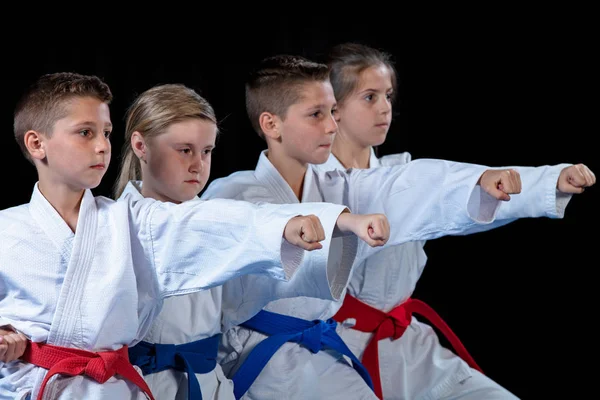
(171, 133)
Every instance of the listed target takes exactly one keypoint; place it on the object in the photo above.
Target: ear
(270, 125)
(138, 144)
(34, 141)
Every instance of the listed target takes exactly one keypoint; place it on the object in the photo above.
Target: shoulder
(395, 159)
(17, 216)
(241, 185)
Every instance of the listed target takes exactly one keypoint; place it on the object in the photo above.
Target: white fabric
(422, 200)
(416, 366)
(101, 287)
(196, 316)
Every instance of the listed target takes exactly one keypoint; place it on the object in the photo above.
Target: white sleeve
(538, 198)
(201, 244)
(424, 199)
(395, 159)
(4, 322)
(324, 275)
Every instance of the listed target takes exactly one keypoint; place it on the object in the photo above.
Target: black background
(488, 85)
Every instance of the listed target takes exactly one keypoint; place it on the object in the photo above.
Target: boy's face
(178, 161)
(309, 127)
(78, 151)
(366, 114)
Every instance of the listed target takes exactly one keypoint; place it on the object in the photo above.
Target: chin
(319, 160)
(183, 199)
(92, 185)
(189, 195)
(378, 140)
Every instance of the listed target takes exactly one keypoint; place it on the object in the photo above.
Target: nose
(197, 164)
(386, 105)
(331, 125)
(102, 145)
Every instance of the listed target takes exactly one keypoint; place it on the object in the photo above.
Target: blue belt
(282, 328)
(195, 357)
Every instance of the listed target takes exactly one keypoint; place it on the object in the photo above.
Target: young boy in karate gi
(284, 350)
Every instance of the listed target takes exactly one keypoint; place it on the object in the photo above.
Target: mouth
(383, 125)
(98, 166)
(193, 182)
(325, 146)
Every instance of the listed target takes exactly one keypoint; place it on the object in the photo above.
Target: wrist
(344, 222)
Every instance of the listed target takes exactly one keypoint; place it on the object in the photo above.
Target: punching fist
(305, 232)
(500, 183)
(575, 178)
(374, 229)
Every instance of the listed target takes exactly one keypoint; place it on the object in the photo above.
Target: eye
(186, 150)
(107, 134)
(390, 96)
(207, 151)
(369, 97)
(85, 132)
(316, 114)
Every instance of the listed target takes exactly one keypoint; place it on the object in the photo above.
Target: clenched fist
(12, 345)
(305, 232)
(575, 178)
(374, 229)
(500, 183)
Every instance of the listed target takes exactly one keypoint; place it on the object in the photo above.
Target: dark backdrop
(489, 86)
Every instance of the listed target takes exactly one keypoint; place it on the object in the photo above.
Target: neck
(291, 170)
(151, 194)
(64, 199)
(148, 192)
(351, 154)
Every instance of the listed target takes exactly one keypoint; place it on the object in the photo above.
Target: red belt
(99, 366)
(392, 325)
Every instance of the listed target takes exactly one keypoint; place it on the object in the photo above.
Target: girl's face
(178, 161)
(364, 117)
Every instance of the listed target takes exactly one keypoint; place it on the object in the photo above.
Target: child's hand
(575, 178)
(500, 183)
(12, 345)
(305, 232)
(372, 228)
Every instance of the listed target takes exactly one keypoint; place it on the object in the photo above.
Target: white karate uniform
(101, 287)
(423, 200)
(416, 366)
(197, 316)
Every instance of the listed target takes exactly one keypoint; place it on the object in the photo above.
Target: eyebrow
(319, 106)
(375, 90)
(90, 123)
(191, 144)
